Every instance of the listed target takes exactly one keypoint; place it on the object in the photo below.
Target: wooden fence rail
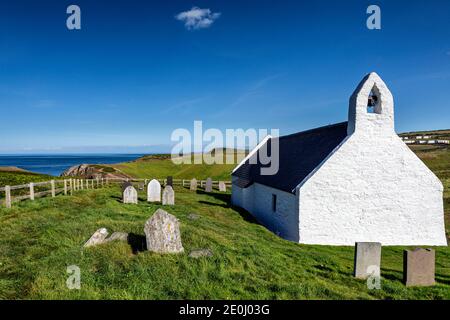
(68, 186)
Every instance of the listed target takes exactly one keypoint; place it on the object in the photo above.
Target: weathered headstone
(208, 186)
(222, 186)
(367, 259)
(193, 185)
(154, 191)
(130, 195)
(419, 267)
(162, 233)
(168, 196)
(98, 237)
(125, 185)
(198, 253)
(169, 181)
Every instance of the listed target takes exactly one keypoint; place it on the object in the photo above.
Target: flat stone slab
(419, 267)
(199, 253)
(162, 233)
(193, 216)
(367, 259)
(119, 236)
(98, 237)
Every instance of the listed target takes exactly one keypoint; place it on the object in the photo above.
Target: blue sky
(134, 72)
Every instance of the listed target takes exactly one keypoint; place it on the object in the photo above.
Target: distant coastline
(55, 164)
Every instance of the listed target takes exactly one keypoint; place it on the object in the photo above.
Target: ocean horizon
(56, 164)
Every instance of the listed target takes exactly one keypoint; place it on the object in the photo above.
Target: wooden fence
(35, 190)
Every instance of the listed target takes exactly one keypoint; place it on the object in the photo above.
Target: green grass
(160, 166)
(16, 178)
(39, 239)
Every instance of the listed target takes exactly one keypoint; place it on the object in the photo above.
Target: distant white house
(348, 182)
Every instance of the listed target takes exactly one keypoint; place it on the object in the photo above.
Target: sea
(56, 164)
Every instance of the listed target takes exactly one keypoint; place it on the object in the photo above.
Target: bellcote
(371, 107)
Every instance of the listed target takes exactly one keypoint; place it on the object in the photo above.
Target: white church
(348, 182)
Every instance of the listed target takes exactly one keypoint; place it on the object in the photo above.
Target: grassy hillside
(38, 240)
(9, 176)
(162, 166)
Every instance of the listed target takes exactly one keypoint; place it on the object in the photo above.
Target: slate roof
(300, 153)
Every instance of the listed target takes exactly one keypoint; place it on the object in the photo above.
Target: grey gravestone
(125, 185)
(200, 253)
(419, 267)
(168, 197)
(367, 259)
(169, 181)
(120, 236)
(193, 185)
(162, 233)
(130, 195)
(154, 191)
(208, 187)
(222, 186)
(98, 237)
(193, 216)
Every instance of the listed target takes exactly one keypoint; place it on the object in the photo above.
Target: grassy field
(38, 240)
(161, 166)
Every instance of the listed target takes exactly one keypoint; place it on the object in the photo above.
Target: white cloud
(197, 18)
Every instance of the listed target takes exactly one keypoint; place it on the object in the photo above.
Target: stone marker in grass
(222, 186)
(198, 253)
(208, 186)
(193, 216)
(168, 197)
(418, 267)
(119, 236)
(162, 233)
(130, 195)
(193, 185)
(154, 191)
(98, 237)
(367, 259)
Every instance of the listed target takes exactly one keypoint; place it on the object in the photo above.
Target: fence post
(52, 183)
(31, 191)
(82, 183)
(65, 187)
(97, 182)
(71, 186)
(8, 196)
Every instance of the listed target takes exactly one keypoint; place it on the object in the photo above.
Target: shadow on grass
(225, 197)
(137, 242)
(242, 212)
